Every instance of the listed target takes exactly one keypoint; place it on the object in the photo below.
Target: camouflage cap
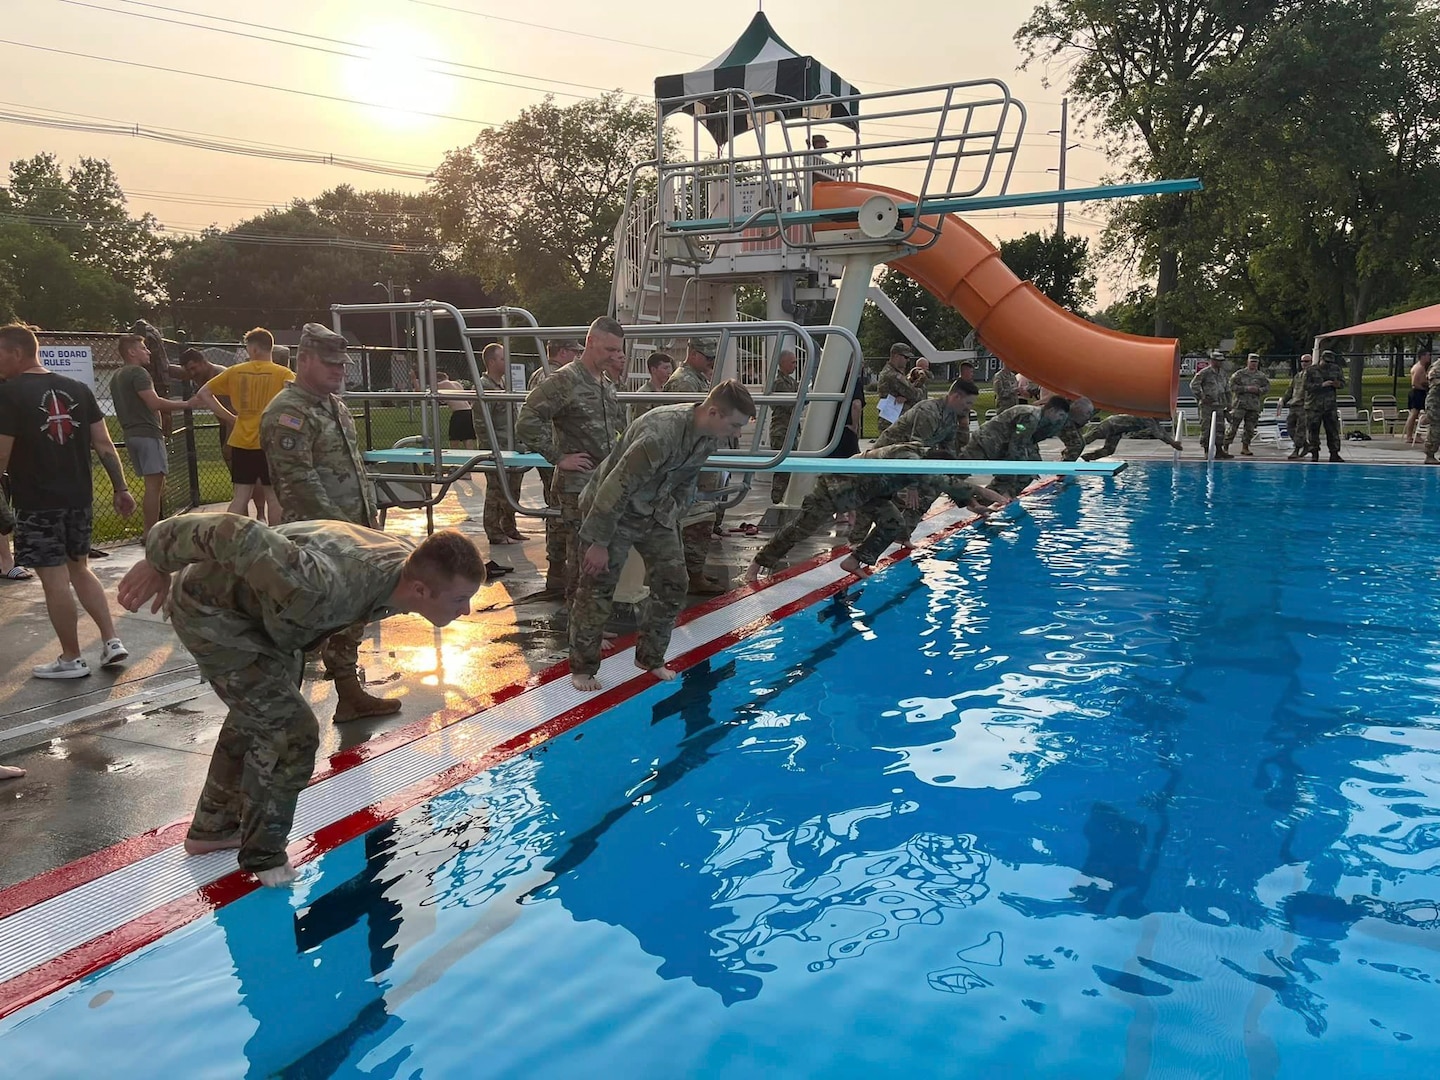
(559, 345)
(901, 348)
(323, 342)
(705, 346)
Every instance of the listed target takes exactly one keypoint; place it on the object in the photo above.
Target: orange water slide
(1018, 323)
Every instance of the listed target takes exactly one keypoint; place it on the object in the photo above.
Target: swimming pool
(1141, 782)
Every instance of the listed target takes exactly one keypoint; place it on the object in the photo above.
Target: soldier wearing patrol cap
(895, 382)
(308, 437)
(693, 377)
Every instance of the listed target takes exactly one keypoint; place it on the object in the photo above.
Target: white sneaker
(62, 669)
(113, 653)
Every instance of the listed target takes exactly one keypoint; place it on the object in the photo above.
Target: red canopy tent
(1425, 320)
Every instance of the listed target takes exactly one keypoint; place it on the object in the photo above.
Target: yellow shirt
(250, 386)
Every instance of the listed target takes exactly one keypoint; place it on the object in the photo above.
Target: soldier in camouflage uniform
(573, 419)
(785, 383)
(1016, 435)
(1322, 382)
(1432, 414)
(1072, 435)
(913, 506)
(660, 366)
(894, 382)
(247, 601)
(1296, 421)
(1248, 388)
(635, 500)
(1113, 428)
(309, 439)
(1007, 390)
(559, 353)
(941, 425)
(693, 377)
(498, 515)
(1213, 395)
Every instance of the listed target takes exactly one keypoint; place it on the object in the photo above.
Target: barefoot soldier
(247, 602)
(635, 499)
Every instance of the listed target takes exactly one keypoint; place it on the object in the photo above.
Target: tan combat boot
(356, 704)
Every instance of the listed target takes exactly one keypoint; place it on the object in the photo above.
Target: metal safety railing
(443, 470)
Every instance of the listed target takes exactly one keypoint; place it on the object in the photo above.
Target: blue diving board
(934, 207)
(462, 459)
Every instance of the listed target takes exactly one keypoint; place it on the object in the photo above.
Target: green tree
(532, 206)
(1059, 266)
(42, 283)
(941, 324)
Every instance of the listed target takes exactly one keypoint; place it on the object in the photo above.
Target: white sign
(75, 361)
(517, 378)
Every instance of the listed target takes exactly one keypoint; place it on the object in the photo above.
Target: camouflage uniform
(499, 515)
(695, 537)
(895, 384)
(1247, 391)
(1320, 404)
(835, 493)
(1432, 412)
(779, 425)
(1073, 436)
(554, 535)
(571, 412)
(635, 500)
(1007, 390)
(1296, 422)
(928, 489)
(1014, 435)
(247, 602)
(1213, 396)
(319, 474)
(929, 424)
(1113, 428)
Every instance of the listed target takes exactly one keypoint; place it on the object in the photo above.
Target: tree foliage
(532, 206)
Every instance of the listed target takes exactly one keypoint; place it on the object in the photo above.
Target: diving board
(411, 457)
(936, 207)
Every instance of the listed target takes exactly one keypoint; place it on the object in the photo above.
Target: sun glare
(396, 75)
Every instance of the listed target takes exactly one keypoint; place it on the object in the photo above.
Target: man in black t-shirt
(48, 426)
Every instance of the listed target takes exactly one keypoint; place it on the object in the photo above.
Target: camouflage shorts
(46, 538)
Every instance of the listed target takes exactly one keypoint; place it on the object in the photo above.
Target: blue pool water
(1142, 783)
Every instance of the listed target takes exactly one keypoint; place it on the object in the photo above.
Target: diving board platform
(411, 457)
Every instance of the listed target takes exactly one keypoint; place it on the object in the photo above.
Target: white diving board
(853, 466)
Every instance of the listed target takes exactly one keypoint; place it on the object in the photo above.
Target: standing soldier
(559, 353)
(499, 515)
(693, 377)
(1322, 382)
(661, 366)
(1432, 414)
(308, 437)
(1007, 390)
(1212, 393)
(780, 416)
(247, 601)
(573, 420)
(1248, 388)
(895, 383)
(634, 500)
(1296, 422)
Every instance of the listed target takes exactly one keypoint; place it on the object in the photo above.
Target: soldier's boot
(1315, 454)
(1245, 450)
(1431, 459)
(356, 704)
(1223, 454)
(1294, 455)
(704, 585)
(1335, 456)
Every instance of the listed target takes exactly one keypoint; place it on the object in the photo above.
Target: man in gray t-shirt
(137, 407)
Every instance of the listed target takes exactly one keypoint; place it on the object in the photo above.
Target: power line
(244, 82)
(139, 132)
(557, 29)
(365, 52)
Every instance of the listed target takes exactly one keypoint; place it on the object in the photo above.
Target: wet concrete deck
(117, 754)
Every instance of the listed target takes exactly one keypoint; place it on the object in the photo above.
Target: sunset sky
(899, 43)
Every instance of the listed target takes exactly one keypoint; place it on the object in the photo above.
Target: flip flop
(18, 573)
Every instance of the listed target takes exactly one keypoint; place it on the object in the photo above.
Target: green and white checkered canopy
(770, 71)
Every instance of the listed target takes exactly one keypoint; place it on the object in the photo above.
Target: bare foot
(752, 573)
(608, 635)
(277, 876)
(664, 674)
(586, 683)
(852, 565)
(11, 772)
(204, 847)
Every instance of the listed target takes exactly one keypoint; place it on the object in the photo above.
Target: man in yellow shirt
(250, 387)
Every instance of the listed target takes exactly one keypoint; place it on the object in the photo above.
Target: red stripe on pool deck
(60, 971)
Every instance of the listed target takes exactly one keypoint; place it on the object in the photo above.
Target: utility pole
(1064, 134)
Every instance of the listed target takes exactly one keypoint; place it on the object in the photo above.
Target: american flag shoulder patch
(294, 423)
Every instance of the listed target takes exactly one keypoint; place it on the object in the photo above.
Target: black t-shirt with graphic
(49, 417)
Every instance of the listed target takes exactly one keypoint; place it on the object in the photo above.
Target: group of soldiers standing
(1310, 400)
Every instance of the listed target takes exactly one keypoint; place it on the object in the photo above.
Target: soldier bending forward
(247, 601)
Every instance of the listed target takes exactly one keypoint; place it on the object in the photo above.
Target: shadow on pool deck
(117, 754)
